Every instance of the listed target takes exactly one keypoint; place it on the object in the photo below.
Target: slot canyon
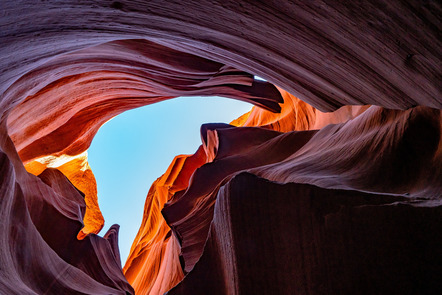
(331, 184)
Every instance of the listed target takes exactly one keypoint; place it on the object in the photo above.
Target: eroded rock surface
(286, 199)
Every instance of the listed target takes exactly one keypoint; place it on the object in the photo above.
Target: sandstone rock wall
(287, 199)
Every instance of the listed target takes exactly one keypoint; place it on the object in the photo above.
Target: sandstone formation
(234, 229)
(79, 173)
(331, 184)
(153, 266)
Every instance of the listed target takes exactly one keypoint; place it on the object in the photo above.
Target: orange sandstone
(153, 265)
(79, 173)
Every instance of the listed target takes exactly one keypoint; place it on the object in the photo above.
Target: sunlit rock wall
(375, 158)
(55, 125)
(79, 173)
(300, 201)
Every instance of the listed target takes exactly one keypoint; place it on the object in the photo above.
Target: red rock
(39, 250)
(330, 158)
(298, 202)
(153, 265)
(321, 241)
(65, 110)
(329, 54)
(79, 173)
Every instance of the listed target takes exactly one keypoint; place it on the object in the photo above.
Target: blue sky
(133, 149)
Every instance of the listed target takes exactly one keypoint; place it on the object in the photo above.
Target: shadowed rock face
(320, 242)
(335, 236)
(287, 199)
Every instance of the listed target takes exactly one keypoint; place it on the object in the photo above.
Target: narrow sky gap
(132, 150)
(259, 78)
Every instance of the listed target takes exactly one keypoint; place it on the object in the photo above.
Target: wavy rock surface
(327, 53)
(284, 203)
(403, 172)
(153, 265)
(70, 97)
(41, 217)
(227, 150)
(58, 120)
(272, 238)
(79, 173)
(296, 115)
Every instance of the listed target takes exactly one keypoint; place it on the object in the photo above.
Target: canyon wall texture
(331, 184)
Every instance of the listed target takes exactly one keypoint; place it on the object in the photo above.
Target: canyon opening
(330, 184)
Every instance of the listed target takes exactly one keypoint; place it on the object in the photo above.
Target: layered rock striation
(330, 184)
(339, 222)
(55, 125)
